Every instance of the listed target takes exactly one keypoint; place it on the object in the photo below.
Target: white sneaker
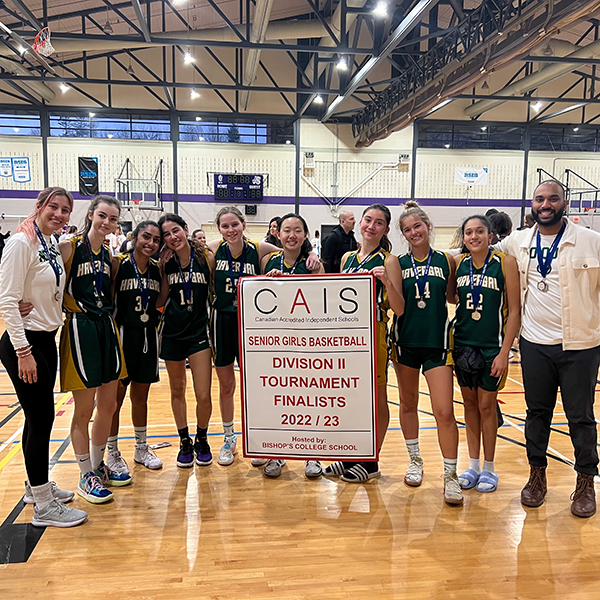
(227, 453)
(115, 462)
(313, 469)
(57, 514)
(63, 496)
(452, 490)
(258, 462)
(273, 468)
(144, 456)
(414, 473)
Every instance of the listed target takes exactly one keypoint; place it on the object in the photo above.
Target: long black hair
(306, 248)
(385, 240)
(200, 249)
(140, 227)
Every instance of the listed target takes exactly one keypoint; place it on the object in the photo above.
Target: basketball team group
(173, 296)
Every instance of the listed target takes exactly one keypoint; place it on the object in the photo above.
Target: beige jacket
(579, 276)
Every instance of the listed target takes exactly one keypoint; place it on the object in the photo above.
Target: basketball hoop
(136, 201)
(42, 44)
(589, 208)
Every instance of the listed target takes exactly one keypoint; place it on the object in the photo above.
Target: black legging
(37, 399)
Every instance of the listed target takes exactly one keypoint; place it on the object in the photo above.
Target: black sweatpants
(545, 369)
(37, 399)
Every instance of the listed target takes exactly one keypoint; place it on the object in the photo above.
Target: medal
(234, 280)
(144, 291)
(190, 308)
(351, 269)
(53, 263)
(99, 303)
(282, 264)
(187, 285)
(421, 282)
(98, 274)
(544, 266)
(144, 318)
(476, 293)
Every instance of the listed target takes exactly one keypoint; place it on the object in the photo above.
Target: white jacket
(579, 276)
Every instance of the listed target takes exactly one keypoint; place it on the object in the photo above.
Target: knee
(178, 392)
(445, 418)
(227, 388)
(409, 403)
(487, 410)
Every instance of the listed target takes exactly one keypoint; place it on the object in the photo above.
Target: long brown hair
(43, 199)
(200, 249)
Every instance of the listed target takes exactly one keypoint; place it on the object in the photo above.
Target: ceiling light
(198, 118)
(575, 129)
(341, 64)
(16, 129)
(92, 115)
(288, 142)
(64, 87)
(130, 70)
(188, 58)
(446, 145)
(22, 50)
(318, 99)
(485, 85)
(536, 106)
(380, 9)
(108, 28)
(484, 128)
(194, 94)
(200, 138)
(110, 136)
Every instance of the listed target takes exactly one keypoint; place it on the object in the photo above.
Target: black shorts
(224, 337)
(422, 358)
(140, 347)
(483, 378)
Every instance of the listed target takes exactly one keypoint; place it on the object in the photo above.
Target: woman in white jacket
(32, 271)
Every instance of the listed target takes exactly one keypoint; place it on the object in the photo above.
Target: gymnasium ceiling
(278, 58)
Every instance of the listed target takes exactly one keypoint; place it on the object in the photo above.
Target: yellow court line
(16, 449)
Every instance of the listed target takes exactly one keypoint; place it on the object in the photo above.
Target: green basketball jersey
(225, 294)
(128, 299)
(274, 262)
(377, 260)
(177, 321)
(424, 327)
(488, 331)
(80, 292)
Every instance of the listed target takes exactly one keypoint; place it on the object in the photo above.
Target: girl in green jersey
(486, 323)
(420, 343)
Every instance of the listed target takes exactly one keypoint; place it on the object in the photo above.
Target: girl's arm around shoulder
(451, 287)
(210, 259)
(164, 290)
(320, 269)
(66, 249)
(391, 277)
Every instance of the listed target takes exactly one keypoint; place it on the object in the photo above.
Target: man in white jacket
(559, 269)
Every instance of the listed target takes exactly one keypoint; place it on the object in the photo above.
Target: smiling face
(373, 225)
(231, 228)
(476, 236)
(105, 218)
(147, 241)
(200, 236)
(292, 234)
(273, 230)
(54, 215)
(174, 235)
(415, 231)
(548, 205)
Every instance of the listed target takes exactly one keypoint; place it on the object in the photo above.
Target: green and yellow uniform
(183, 328)
(90, 348)
(379, 259)
(420, 337)
(224, 319)
(487, 332)
(138, 327)
(274, 262)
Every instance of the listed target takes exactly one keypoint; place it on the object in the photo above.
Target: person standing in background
(3, 237)
(316, 244)
(338, 242)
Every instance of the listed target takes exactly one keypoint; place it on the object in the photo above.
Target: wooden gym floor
(229, 532)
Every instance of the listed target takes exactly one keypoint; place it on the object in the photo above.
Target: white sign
(5, 166)
(308, 372)
(470, 176)
(21, 170)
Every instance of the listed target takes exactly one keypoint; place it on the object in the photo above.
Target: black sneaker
(203, 453)
(185, 457)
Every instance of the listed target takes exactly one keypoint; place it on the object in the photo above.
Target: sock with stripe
(112, 444)
(228, 429)
(413, 447)
(141, 434)
(450, 465)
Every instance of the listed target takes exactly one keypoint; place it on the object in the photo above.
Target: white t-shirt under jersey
(26, 274)
(542, 314)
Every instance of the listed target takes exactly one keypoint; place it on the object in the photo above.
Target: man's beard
(558, 215)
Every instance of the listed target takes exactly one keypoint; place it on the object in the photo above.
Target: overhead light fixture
(288, 142)
(380, 9)
(536, 106)
(484, 128)
(108, 28)
(318, 99)
(22, 50)
(485, 85)
(548, 50)
(342, 65)
(130, 70)
(575, 129)
(188, 58)
(92, 115)
(198, 118)
(200, 138)
(446, 145)
(194, 94)
(110, 136)
(64, 87)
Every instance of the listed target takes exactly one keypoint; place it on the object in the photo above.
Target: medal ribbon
(295, 264)
(476, 293)
(144, 292)
(362, 262)
(421, 282)
(54, 264)
(234, 279)
(187, 285)
(544, 265)
(98, 275)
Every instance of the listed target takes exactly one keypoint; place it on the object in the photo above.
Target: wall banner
(308, 372)
(470, 176)
(5, 166)
(88, 176)
(21, 170)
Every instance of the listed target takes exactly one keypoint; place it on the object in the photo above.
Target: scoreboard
(238, 187)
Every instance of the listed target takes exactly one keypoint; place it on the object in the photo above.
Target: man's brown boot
(535, 489)
(584, 496)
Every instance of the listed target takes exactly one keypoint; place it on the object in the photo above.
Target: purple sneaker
(185, 457)
(203, 453)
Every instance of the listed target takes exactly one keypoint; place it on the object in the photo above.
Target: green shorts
(224, 337)
(422, 358)
(484, 379)
(140, 347)
(177, 350)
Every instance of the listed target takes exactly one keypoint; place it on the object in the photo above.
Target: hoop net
(136, 201)
(42, 44)
(589, 208)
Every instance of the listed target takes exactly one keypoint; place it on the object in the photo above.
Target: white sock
(475, 464)
(413, 447)
(97, 455)
(228, 429)
(84, 462)
(112, 443)
(450, 465)
(42, 495)
(488, 465)
(140, 436)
